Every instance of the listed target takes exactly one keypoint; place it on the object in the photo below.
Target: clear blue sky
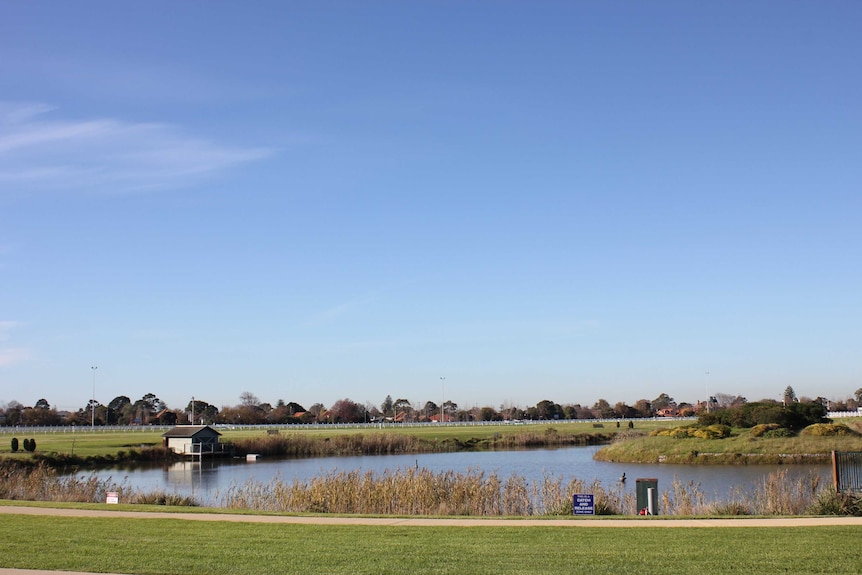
(535, 200)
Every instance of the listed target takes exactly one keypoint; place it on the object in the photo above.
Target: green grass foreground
(166, 546)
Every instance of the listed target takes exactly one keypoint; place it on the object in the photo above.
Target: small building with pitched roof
(192, 440)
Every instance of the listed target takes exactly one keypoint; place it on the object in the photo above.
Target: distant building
(436, 418)
(192, 439)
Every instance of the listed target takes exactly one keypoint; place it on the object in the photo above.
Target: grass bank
(742, 447)
(93, 447)
(171, 547)
(298, 444)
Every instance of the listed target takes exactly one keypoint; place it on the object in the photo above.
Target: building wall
(180, 444)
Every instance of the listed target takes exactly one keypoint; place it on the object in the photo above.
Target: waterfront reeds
(418, 491)
(42, 483)
(388, 443)
(421, 492)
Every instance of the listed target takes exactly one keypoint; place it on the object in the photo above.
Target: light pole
(93, 401)
(443, 402)
(707, 392)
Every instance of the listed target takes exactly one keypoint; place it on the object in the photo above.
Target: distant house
(167, 417)
(192, 439)
(436, 418)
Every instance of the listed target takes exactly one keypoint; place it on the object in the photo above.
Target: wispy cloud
(331, 315)
(14, 355)
(334, 313)
(6, 327)
(11, 355)
(38, 152)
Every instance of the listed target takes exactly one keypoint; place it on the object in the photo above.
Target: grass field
(741, 447)
(170, 546)
(85, 442)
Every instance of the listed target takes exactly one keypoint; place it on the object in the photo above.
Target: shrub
(735, 508)
(32, 445)
(760, 429)
(778, 433)
(830, 502)
(794, 416)
(717, 431)
(828, 430)
(681, 432)
(162, 498)
(14, 444)
(26, 444)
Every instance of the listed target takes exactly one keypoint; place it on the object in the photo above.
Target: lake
(204, 481)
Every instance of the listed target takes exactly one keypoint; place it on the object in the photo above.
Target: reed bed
(304, 445)
(775, 494)
(418, 491)
(42, 483)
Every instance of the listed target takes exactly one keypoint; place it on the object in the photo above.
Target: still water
(204, 481)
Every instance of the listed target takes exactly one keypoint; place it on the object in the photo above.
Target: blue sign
(584, 504)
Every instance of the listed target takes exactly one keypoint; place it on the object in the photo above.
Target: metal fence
(320, 426)
(847, 471)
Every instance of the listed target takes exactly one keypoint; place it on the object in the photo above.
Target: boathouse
(192, 440)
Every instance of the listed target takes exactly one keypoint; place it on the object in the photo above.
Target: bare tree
(248, 399)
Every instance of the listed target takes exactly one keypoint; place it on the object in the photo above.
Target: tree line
(150, 410)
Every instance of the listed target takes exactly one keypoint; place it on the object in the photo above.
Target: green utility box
(647, 496)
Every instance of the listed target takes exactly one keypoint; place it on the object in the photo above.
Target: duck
(623, 478)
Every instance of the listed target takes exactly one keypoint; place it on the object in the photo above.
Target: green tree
(644, 408)
(402, 406)
(662, 401)
(386, 406)
(116, 413)
(603, 409)
(203, 412)
(547, 409)
(789, 395)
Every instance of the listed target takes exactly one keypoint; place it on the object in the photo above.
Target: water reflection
(206, 480)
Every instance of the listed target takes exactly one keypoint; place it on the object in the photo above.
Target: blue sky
(535, 200)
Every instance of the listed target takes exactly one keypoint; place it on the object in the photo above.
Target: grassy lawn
(165, 546)
(81, 443)
(84, 442)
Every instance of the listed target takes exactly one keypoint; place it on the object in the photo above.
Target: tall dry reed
(42, 483)
(775, 494)
(302, 445)
(418, 491)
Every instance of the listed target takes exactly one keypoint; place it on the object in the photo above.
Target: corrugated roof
(188, 431)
